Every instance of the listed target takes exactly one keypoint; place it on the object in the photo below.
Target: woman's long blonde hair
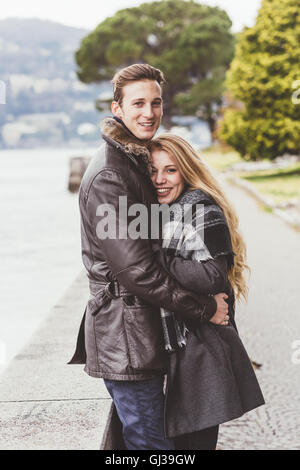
(197, 175)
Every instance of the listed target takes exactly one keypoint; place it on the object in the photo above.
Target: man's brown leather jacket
(121, 336)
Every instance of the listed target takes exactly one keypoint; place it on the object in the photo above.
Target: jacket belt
(110, 290)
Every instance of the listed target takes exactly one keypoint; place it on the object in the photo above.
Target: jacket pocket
(95, 302)
(144, 337)
(225, 334)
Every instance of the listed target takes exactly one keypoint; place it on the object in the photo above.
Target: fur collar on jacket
(130, 145)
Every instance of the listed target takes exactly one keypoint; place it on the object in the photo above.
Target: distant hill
(34, 31)
(38, 68)
(33, 46)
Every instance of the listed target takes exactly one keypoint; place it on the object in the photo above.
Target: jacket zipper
(165, 400)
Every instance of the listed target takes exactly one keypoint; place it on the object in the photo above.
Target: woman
(210, 378)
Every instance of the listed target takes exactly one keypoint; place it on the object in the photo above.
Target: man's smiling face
(141, 108)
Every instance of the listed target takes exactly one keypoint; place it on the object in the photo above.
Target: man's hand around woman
(221, 316)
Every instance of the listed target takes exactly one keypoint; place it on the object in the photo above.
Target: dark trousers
(140, 407)
(200, 440)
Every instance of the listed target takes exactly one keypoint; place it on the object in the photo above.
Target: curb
(264, 200)
(45, 403)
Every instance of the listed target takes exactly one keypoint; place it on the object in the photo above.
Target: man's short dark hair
(134, 73)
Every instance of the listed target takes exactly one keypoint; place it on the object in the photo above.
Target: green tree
(263, 76)
(191, 43)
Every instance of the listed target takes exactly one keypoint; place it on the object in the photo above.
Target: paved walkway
(269, 325)
(45, 403)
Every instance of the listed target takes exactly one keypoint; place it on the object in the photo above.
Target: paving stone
(53, 425)
(268, 326)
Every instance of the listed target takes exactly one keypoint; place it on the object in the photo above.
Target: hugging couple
(159, 324)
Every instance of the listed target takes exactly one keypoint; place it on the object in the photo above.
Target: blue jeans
(140, 406)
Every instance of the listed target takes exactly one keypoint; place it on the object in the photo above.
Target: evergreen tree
(191, 43)
(263, 76)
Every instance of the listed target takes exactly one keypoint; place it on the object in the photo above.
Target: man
(121, 338)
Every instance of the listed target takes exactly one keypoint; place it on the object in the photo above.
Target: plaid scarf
(197, 230)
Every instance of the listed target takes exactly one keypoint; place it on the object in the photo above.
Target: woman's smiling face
(167, 179)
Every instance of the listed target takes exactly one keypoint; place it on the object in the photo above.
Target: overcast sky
(89, 13)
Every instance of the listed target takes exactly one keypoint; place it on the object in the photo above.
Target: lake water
(39, 240)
